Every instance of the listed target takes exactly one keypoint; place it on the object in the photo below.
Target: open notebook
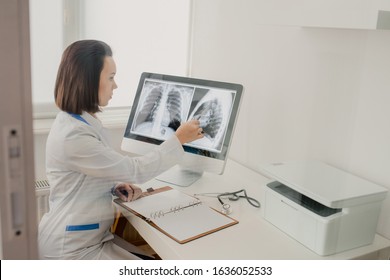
(178, 215)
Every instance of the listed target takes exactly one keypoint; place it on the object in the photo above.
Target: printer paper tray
(304, 201)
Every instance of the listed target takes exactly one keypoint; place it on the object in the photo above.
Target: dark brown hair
(77, 84)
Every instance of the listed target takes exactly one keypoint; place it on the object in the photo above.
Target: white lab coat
(81, 169)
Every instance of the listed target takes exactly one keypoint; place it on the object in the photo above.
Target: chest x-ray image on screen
(161, 109)
(164, 105)
(163, 102)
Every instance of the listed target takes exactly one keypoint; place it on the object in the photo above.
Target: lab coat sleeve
(86, 154)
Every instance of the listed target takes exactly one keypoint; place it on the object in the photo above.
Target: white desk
(252, 238)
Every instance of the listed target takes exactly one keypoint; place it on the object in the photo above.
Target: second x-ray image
(213, 111)
(161, 109)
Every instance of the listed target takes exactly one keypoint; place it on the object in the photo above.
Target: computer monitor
(162, 102)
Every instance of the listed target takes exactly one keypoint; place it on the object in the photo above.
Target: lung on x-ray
(163, 106)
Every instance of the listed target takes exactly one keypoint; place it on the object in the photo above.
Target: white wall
(309, 92)
(145, 36)
(46, 42)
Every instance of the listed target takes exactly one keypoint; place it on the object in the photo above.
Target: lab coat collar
(92, 120)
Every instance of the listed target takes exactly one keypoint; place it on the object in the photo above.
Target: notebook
(178, 215)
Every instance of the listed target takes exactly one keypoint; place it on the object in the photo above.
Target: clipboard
(179, 216)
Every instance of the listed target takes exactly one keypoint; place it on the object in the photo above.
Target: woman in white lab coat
(83, 169)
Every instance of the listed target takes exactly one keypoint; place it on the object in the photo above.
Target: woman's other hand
(127, 192)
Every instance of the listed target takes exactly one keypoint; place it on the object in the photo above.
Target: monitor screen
(163, 102)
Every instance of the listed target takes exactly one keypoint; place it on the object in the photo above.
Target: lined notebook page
(188, 223)
(191, 222)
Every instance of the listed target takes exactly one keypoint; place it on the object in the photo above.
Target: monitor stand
(179, 176)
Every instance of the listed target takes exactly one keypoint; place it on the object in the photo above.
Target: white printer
(324, 208)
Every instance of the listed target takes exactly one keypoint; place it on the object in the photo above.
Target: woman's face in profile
(107, 82)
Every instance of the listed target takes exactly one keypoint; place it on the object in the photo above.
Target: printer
(326, 209)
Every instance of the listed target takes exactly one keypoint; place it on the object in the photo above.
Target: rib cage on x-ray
(213, 111)
(210, 116)
(150, 106)
(161, 109)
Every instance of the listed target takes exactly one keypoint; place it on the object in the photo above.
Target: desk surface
(252, 238)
